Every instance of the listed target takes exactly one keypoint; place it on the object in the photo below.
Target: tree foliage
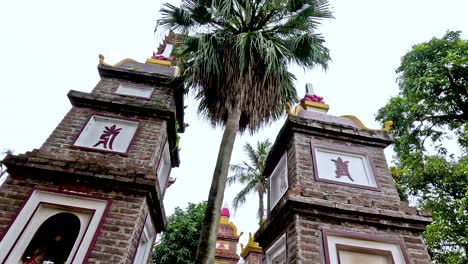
(430, 114)
(250, 174)
(235, 56)
(237, 52)
(179, 242)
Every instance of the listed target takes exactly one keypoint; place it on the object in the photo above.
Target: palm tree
(251, 175)
(235, 54)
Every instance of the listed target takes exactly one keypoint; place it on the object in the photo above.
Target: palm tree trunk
(207, 244)
(260, 206)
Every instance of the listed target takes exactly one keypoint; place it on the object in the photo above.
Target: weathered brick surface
(117, 240)
(301, 173)
(253, 258)
(129, 180)
(310, 245)
(143, 154)
(310, 205)
(162, 97)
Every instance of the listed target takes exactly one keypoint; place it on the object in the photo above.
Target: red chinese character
(108, 136)
(341, 168)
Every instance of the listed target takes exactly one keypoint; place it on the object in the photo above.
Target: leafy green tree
(430, 113)
(251, 175)
(179, 242)
(235, 55)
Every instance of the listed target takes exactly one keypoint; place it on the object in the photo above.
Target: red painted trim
(372, 251)
(114, 90)
(40, 189)
(362, 236)
(350, 150)
(132, 141)
(69, 207)
(53, 205)
(73, 193)
(98, 230)
(139, 237)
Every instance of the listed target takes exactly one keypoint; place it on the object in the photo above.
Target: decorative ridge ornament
(315, 103)
(312, 101)
(163, 54)
(387, 125)
(101, 61)
(311, 96)
(251, 246)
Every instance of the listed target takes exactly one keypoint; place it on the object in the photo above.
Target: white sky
(49, 47)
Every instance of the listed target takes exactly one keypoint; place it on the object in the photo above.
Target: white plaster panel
(333, 240)
(164, 168)
(350, 257)
(278, 181)
(276, 254)
(355, 168)
(222, 245)
(26, 223)
(134, 90)
(148, 236)
(105, 133)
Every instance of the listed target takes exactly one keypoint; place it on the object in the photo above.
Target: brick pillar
(331, 195)
(252, 252)
(106, 163)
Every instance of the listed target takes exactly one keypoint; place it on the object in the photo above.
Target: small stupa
(227, 239)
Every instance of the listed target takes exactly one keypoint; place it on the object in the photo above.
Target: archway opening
(53, 240)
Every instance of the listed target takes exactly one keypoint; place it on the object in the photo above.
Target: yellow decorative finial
(101, 59)
(288, 108)
(251, 246)
(388, 125)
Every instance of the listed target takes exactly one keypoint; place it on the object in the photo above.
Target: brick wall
(310, 205)
(162, 96)
(118, 238)
(144, 151)
(309, 239)
(129, 180)
(302, 179)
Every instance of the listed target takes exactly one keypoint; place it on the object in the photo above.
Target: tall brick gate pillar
(331, 196)
(93, 192)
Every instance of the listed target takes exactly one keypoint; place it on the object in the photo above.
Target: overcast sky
(50, 47)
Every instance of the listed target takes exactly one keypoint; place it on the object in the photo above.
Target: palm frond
(251, 153)
(241, 197)
(308, 50)
(175, 18)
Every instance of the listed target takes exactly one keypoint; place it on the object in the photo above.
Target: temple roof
(151, 66)
(147, 67)
(311, 117)
(324, 117)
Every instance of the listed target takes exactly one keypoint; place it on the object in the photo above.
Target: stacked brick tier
(118, 237)
(129, 179)
(227, 233)
(310, 206)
